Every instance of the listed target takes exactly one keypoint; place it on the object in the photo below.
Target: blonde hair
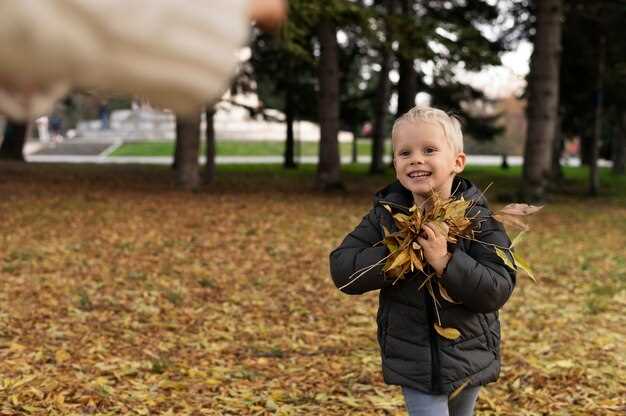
(449, 123)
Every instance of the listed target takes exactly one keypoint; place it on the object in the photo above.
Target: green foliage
(583, 26)
(285, 64)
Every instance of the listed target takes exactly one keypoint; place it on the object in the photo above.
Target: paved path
(100, 151)
(73, 148)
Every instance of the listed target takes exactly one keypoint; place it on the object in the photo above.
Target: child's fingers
(430, 233)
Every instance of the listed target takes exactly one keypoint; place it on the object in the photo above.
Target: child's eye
(404, 153)
(430, 150)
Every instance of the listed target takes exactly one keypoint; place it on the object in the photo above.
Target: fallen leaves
(88, 267)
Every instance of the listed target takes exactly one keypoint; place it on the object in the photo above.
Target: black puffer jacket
(413, 354)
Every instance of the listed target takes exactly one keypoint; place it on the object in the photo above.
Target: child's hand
(435, 245)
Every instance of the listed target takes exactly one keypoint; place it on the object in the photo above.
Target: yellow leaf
(38, 393)
(271, 405)
(61, 356)
(23, 381)
(522, 264)
(213, 382)
(518, 238)
(456, 209)
(415, 262)
(350, 401)
(278, 395)
(458, 390)
(321, 397)
(564, 364)
(400, 259)
(100, 381)
(505, 258)
(401, 218)
(391, 244)
(14, 346)
(440, 227)
(449, 333)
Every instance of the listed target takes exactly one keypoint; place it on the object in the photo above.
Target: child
(427, 155)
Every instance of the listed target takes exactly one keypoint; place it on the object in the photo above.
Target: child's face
(424, 159)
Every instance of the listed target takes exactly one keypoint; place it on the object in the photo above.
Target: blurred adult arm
(176, 54)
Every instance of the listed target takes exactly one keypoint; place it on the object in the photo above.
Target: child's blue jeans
(422, 404)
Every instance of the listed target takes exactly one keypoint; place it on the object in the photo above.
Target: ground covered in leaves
(121, 295)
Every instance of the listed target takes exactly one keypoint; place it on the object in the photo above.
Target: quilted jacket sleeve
(478, 277)
(355, 253)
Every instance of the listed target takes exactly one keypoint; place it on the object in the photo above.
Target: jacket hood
(399, 196)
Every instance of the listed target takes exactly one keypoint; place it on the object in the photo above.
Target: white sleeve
(178, 54)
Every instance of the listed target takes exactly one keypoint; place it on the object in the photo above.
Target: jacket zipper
(434, 342)
(384, 321)
(434, 347)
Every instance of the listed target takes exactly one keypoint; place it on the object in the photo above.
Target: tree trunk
(188, 147)
(557, 150)
(12, 147)
(177, 143)
(380, 113)
(381, 101)
(209, 164)
(543, 82)
(619, 147)
(329, 166)
(407, 84)
(289, 161)
(355, 145)
(594, 174)
(585, 148)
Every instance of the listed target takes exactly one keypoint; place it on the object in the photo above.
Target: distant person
(104, 114)
(56, 128)
(177, 55)
(428, 156)
(571, 151)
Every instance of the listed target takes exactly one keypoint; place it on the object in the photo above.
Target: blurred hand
(268, 14)
(434, 241)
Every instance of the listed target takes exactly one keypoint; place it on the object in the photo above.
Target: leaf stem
(362, 271)
(432, 293)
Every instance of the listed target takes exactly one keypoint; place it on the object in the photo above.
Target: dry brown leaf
(520, 209)
(449, 333)
(511, 220)
(445, 295)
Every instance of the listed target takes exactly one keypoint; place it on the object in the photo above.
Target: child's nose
(417, 159)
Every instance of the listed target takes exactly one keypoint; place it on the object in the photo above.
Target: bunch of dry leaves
(406, 255)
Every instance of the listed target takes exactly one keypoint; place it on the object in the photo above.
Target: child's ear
(459, 163)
